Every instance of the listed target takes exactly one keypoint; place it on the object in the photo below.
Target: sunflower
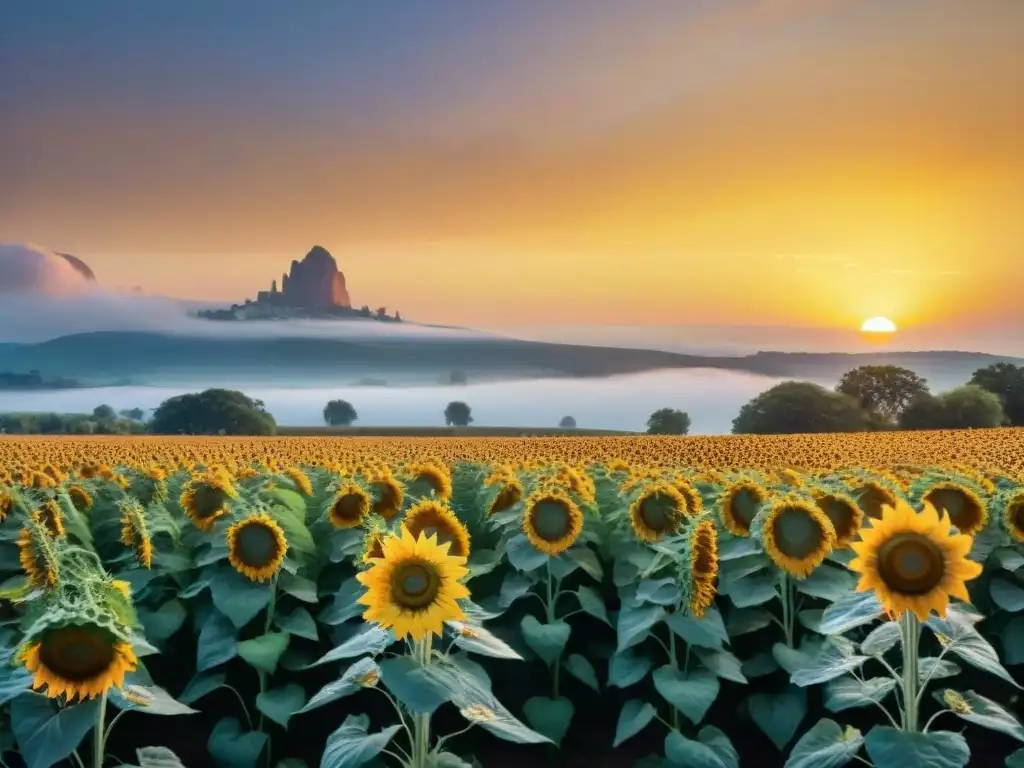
(301, 480)
(967, 512)
(913, 562)
(206, 498)
(350, 505)
(701, 567)
(256, 547)
(124, 588)
(551, 521)
(373, 544)
(739, 504)
(415, 587)
(388, 496)
(53, 518)
(134, 533)
(426, 479)
(511, 493)
(844, 514)
(872, 497)
(6, 505)
(797, 536)
(1013, 517)
(433, 518)
(694, 501)
(657, 511)
(36, 556)
(80, 498)
(78, 661)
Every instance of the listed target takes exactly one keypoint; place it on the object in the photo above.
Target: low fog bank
(711, 397)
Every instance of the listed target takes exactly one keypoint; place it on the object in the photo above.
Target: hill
(161, 359)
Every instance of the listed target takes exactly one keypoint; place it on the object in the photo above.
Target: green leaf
(881, 639)
(931, 668)
(201, 685)
(851, 610)
(546, 640)
(827, 583)
(743, 621)
(634, 624)
(658, 591)
(580, 667)
(522, 555)
(587, 560)
(344, 686)
(627, 668)
(238, 598)
(1007, 558)
(157, 757)
(760, 664)
(279, 704)
(778, 715)
(14, 679)
(369, 639)
(514, 586)
(217, 642)
(142, 647)
(1016, 760)
(723, 663)
(705, 632)
(163, 622)
(983, 712)
(692, 693)
(344, 606)
(591, 602)
(827, 664)
(634, 717)
(229, 745)
(849, 692)
(298, 587)
(753, 590)
(476, 639)
(908, 749)
(550, 717)
(413, 685)
(957, 633)
(292, 501)
(295, 532)
(264, 652)
(711, 750)
(298, 623)
(151, 699)
(45, 734)
(825, 745)
(732, 547)
(1013, 641)
(1006, 595)
(352, 745)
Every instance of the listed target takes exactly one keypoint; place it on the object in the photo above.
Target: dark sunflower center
(52, 521)
(963, 511)
(796, 533)
(1016, 516)
(550, 520)
(414, 585)
(872, 499)
(506, 498)
(911, 564)
(745, 505)
(350, 507)
(79, 498)
(387, 504)
(703, 549)
(658, 512)
(76, 653)
(256, 545)
(840, 514)
(208, 500)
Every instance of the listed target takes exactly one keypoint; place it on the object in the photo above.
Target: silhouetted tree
(457, 414)
(794, 407)
(966, 407)
(339, 413)
(1007, 381)
(567, 422)
(668, 421)
(104, 413)
(135, 414)
(212, 412)
(883, 390)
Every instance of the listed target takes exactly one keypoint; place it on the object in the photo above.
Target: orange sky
(805, 163)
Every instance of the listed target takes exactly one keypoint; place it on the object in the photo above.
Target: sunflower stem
(421, 722)
(551, 618)
(267, 623)
(910, 629)
(786, 596)
(98, 742)
(674, 661)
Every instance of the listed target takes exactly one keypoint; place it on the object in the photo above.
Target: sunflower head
(349, 506)
(135, 532)
(388, 495)
(38, 553)
(301, 480)
(80, 498)
(552, 521)
(966, 510)
(427, 480)
(415, 587)
(657, 511)
(53, 517)
(699, 566)
(913, 561)
(256, 546)
(797, 535)
(739, 504)
(872, 497)
(1012, 517)
(206, 498)
(694, 501)
(502, 492)
(431, 518)
(6, 504)
(844, 514)
(373, 540)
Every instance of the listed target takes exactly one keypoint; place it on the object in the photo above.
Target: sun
(878, 325)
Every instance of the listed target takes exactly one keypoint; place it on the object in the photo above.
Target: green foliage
(339, 413)
(794, 407)
(668, 421)
(883, 390)
(457, 414)
(212, 412)
(1005, 380)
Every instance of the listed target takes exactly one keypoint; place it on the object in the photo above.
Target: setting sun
(878, 325)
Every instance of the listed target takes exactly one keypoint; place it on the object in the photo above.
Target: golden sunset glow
(878, 325)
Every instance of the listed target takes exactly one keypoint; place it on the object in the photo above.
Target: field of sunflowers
(802, 601)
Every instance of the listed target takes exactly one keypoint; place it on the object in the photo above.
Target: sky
(488, 163)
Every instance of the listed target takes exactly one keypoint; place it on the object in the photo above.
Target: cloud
(28, 268)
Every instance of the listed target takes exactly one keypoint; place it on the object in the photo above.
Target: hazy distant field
(446, 432)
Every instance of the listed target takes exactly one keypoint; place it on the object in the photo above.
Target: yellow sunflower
(134, 533)
(552, 521)
(78, 661)
(659, 510)
(53, 518)
(6, 505)
(913, 562)
(415, 587)
(388, 496)
(433, 518)
(36, 556)
(426, 479)
(350, 505)
(511, 493)
(256, 547)
(702, 572)
(123, 587)
(1013, 517)
(739, 504)
(301, 480)
(694, 501)
(80, 498)
(872, 497)
(797, 536)
(844, 514)
(206, 498)
(966, 510)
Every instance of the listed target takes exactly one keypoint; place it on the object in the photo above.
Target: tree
(457, 414)
(1007, 381)
(567, 422)
(339, 413)
(135, 414)
(883, 390)
(966, 407)
(457, 377)
(668, 421)
(212, 412)
(104, 413)
(795, 407)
